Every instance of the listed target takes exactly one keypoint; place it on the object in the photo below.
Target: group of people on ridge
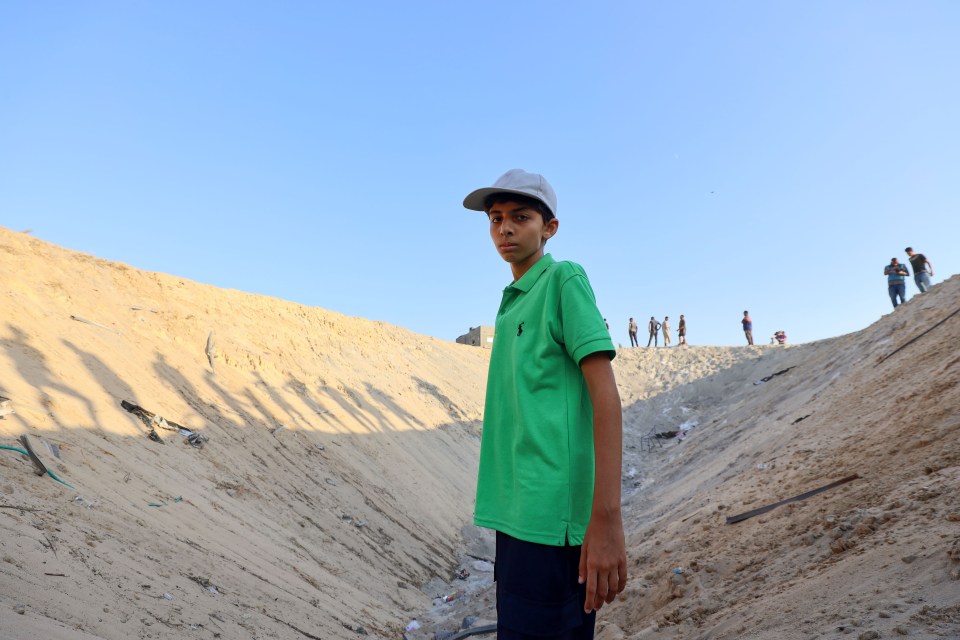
(654, 328)
(897, 276)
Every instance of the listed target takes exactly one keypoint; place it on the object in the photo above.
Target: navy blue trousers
(537, 592)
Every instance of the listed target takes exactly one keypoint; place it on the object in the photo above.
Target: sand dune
(331, 497)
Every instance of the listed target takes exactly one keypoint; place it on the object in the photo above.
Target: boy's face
(519, 233)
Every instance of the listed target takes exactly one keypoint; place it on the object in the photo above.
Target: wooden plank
(40, 470)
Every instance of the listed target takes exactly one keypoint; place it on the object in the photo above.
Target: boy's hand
(603, 560)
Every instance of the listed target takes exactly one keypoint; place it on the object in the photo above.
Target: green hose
(19, 450)
(3, 446)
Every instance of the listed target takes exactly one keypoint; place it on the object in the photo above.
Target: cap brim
(474, 201)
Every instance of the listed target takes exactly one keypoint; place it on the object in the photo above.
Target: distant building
(478, 337)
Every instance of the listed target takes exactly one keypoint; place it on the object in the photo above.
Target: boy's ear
(550, 229)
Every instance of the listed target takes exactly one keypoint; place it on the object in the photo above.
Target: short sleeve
(583, 329)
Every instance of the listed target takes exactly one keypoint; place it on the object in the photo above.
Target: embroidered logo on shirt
(519, 328)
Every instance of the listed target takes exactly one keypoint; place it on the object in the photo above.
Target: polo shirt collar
(526, 282)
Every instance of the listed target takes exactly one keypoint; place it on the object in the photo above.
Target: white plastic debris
(482, 566)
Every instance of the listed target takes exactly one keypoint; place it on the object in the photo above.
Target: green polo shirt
(536, 455)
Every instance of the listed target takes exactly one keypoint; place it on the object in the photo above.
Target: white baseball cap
(518, 181)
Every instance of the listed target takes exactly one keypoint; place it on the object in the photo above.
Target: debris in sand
(95, 324)
(483, 566)
(152, 421)
(53, 448)
(648, 438)
(28, 451)
(772, 376)
(474, 631)
(149, 418)
(459, 593)
(163, 504)
(194, 439)
(83, 502)
(666, 435)
(5, 408)
(40, 470)
(205, 583)
(209, 350)
(909, 342)
(803, 496)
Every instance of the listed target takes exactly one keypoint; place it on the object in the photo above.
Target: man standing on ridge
(632, 330)
(896, 281)
(747, 323)
(922, 269)
(666, 331)
(682, 331)
(653, 327)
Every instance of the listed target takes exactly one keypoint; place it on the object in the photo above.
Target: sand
(333, 495)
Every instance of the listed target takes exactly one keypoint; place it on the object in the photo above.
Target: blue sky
(708, 157)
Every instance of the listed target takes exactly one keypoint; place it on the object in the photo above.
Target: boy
(550, 456)
(747, 323)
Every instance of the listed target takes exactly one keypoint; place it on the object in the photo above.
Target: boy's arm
(603, 557)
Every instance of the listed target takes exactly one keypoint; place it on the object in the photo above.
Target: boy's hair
(526, 201)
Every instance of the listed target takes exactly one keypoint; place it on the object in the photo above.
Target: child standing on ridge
(550, 455)
(747, 323)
